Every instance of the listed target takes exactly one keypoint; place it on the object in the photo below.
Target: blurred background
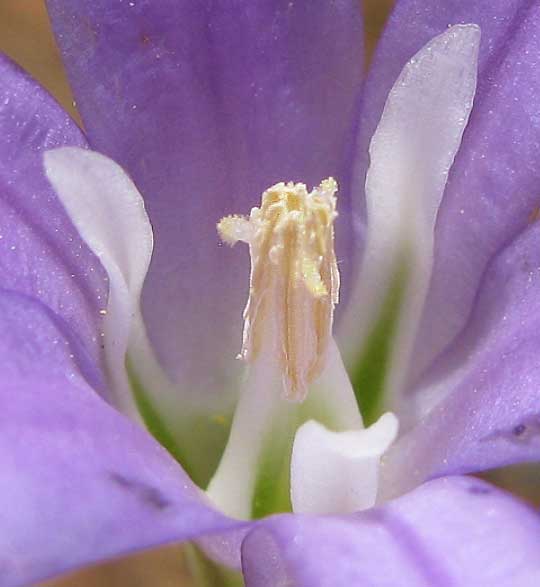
(26, 36)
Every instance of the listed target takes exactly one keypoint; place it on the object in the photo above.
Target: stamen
(294, 281)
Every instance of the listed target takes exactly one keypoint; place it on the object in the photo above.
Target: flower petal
(493, 187)
(206, 105)
(41, 254)
(411, 153)
(453, 531)
(80, 483)
(489, 378)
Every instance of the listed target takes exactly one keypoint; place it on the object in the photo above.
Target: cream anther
(294, 279)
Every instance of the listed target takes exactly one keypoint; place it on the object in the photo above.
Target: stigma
(294, 281)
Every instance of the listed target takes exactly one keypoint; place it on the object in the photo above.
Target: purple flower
(205, 105)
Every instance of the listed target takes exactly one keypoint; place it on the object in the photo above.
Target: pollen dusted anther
(294, 281)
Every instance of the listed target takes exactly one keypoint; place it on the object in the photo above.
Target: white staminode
(109, 214)
(411, 154)
(335, 472)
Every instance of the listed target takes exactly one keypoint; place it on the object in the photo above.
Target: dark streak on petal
(146, 493)
(519, 429)
(522, 432)
(476, 489)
